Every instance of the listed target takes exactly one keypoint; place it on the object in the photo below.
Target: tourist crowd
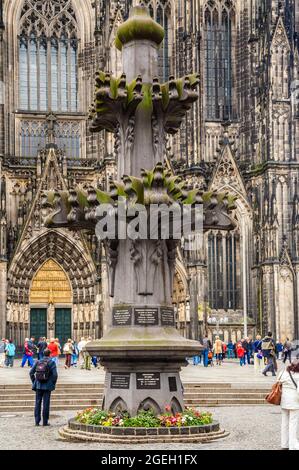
(74, 353)
(263, 353)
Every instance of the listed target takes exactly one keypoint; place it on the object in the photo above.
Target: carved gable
(51, 178)
(227, 175)
(280, 38)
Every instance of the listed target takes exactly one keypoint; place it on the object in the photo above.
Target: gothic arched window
(219, 19)
(224, 270)
(48, 50)
(161, 11)
(48, 78)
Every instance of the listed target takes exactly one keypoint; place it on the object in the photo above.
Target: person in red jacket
(224, 350)
(27, 354)
(241, 354)
(54, 351)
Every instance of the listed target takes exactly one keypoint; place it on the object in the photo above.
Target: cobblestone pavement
(251, 428)
(246, 425)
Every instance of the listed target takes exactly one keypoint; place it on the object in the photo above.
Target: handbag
(274, 397)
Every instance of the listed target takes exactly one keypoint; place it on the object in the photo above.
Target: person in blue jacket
(44, 377)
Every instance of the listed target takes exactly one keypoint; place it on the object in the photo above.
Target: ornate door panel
(63, 324)
(38, 322)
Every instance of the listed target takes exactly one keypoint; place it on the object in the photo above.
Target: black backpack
(42, 371)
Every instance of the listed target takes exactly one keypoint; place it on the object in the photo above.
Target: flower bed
(144, 419)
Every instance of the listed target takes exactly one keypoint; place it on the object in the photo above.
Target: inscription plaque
(167, 316)
(120, 381)
(146, 316)
(148, 380)
(121, 316)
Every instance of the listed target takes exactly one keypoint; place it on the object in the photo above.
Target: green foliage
(144, 419)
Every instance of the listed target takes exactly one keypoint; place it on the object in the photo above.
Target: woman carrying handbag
(290, 407)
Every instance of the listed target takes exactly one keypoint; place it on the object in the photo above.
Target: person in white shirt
(290, 407)
(81, 345)
(3, 344)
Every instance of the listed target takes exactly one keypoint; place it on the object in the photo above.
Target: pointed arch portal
(50, 285)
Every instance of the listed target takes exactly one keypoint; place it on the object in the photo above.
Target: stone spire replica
(142, 352)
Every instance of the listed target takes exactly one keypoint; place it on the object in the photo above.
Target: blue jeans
(242, 361)
(270, 367)
(230, 354)
(55, 359)
(27, 358)
(248, 356)
(74, 359)
(9, 361)
(94, 361)
(205, 357)
(196, 360)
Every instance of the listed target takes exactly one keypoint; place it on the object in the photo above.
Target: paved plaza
(229, 371)
(246, 424)
(247, 427)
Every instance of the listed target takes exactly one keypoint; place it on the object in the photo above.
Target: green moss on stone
(147, 102)
(180, 86)
(165, 95)
(140, 26)
(130, 88)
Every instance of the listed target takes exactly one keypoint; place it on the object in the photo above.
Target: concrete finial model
(142, 351)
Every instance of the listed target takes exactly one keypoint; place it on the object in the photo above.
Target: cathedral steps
(20, 398)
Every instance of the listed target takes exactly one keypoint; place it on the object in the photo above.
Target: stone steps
(96, 396)
(63, 407)
(20, 398)
(190, 396)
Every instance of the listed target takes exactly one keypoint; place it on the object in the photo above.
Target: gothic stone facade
(242, 138)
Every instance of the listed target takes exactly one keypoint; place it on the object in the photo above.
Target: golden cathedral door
(51, 303)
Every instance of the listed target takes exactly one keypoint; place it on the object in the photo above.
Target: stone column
(3, 296)
(194, 291)
(268, 299)
(244, 273)
(2, 91)
(197, 272)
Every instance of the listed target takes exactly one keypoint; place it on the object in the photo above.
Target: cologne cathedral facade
(241, 138)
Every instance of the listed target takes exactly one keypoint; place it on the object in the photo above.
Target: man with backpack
(44, 377)
(268, 351)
